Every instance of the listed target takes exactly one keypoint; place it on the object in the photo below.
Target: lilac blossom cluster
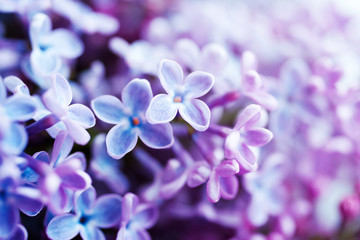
(248, 115)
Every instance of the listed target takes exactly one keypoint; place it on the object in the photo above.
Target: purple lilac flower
(129, 117)
(90, 215)
(245, 135)
(182, 95)
(76, 117)
(14, 195)
(136, 218)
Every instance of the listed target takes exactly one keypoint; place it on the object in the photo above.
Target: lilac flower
(59, 176)
(14, 109)
(245, 134)
(182, 95)
(49, 47)
(136, 218)
(13, 196)
(90, 215)
(129, 117)
(19, 233)
(76, 117)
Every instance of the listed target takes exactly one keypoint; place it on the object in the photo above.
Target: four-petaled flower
(182, 95)
(90, 215)
(129, 117)
(245, 134)
(76, 117)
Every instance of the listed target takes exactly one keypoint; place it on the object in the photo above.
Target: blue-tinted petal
(129, 205)
(81, 114)
(63, 227)
(137, 95)
(157, 135)
(197, 84)
(65, 43)
(90, 232)
(40, 25)
(59, 95)
(171, 75)
(77, 131)
(145, 217)
(44, 63)
(8, 220)
(196, 113)
(85, 201)
(162, 109)
(108, 109)
(120, 140)
(15, 139)
(2, 91)
(15, 85)
(28, 200)
(213, 187)
(20, 107)
(107, 211)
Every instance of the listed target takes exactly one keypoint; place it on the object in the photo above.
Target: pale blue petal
(63, 227)
(16, 85)
(107, 211)
(162, 109)
(15, 139)
(108, 109)
(137, 95)
(196, 113)
(157, 135)
(44, 62)
(120, 140)
(77, 132)
(20, 107)
(145, 217)
(197, 84)
(40, 26)
(90, 232)
(65, 43)
(171, 75)
(85, 201)
(2, 91)
(81, 114)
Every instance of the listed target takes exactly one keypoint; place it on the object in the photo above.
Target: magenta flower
(181, 96)
(244, 135)
(129, 117)
(76, 117)
(90, 215)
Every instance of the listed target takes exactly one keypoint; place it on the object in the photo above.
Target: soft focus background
(305, 57)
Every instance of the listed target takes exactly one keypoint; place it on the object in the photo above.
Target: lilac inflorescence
(248, 115)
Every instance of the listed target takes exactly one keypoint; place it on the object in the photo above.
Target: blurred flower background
(180, 119)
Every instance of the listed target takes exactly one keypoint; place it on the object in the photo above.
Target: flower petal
(214, 58)
(169, 189)
(264, 99)
(161, 109)
(44, 63)
(90, 232)
(108, 109)
(63, 227)
(19, 234)
(59, 95)
(40, 26)
(76, 131)
(20, 107)
(75, 180)
(8, 220)
(81, 114)
(213, 187)
(171, 75)
(227, 168)
(28, 200)
(2, 91)
(107, 211)
(15, 139)
(187, 52)
(198, 174)
(129, 204)
(257, 137)
(15, 85)
(196, 113)
(145, 217)
(229, 187)
(85, 201)
(197, 84)
(137, 95)
(249, 116)
(120, 140)
(157, 135)
(65, 43)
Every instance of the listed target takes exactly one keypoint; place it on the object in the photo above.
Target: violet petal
(157, 135)
(120, 140)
